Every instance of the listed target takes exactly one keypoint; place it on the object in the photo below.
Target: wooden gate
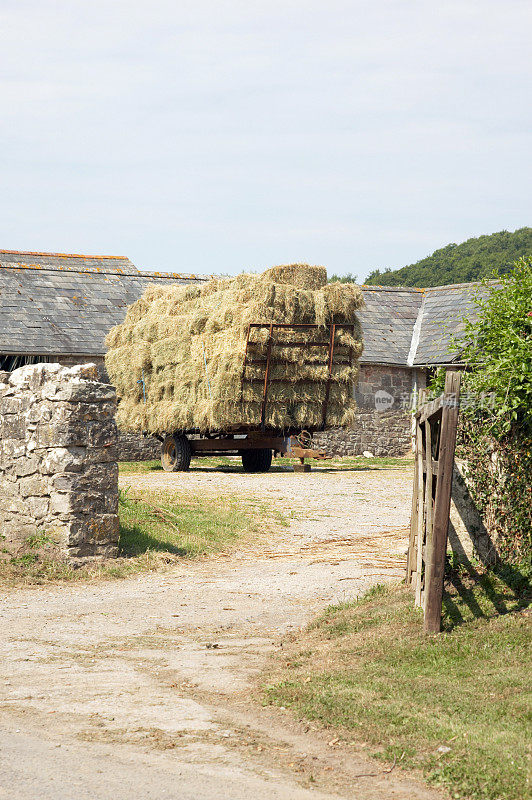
(436, 425)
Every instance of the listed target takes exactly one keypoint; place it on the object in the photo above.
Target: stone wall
(135, 447)
(383, 422)
(381, 433)
(58, 470)
(468, 536)
(72, 361)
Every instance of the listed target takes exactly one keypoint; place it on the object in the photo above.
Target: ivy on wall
(498, 476)
(495, 430)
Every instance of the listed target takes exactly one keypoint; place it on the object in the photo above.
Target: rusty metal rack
(258, 441)
(326, 342)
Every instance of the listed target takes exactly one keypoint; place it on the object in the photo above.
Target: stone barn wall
(383, 423)
(58, 470)
(135, 447)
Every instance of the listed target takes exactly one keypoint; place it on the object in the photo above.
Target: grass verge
(234, 464)
(156, 531)
(455, 706)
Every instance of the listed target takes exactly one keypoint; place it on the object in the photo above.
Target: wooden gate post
(436, 426)
(436, 555)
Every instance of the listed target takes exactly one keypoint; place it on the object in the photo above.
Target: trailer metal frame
(291, 442)
(269, 362)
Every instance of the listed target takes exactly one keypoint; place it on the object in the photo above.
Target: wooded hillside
(461, 263)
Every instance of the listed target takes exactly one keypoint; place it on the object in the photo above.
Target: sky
(217, 137)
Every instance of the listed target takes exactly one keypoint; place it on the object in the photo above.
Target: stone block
(12, 448)
(18, 530)
(87, 370)
(86, 501)
(12, 503)
(37, 507)
(13, 405)
(35, 485)
(26, 466)
(80, 391)
(102, 477)
(68, 434)
(99, 412)
(63, 459)
(88, 530)
(101, 455)
(38, 412)
(32, 376)
(60, 503)
(102, 434)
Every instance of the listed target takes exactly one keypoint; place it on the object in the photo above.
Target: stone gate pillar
(58, 462)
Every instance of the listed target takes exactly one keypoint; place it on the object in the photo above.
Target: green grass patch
(455, 706)
(157, 529)
(234, 464)
(155, 522)
(125, 467)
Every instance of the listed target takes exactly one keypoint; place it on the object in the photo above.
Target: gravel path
(147, 687)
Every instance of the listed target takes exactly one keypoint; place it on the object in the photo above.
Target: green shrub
(495, 437)
(498, 351)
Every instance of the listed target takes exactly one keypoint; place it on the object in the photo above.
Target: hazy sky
(221, 136)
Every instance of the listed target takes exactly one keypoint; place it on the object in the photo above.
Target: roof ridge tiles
(368, 286)
(180, 275)
(461, 285)
(129, 269)
(59, 255)
(378, 288)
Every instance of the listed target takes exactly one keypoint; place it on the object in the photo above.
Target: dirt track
(147, 687)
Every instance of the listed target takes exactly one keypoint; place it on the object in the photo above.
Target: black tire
(176, 453)
(259, 460)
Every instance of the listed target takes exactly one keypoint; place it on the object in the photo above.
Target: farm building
(58, 307)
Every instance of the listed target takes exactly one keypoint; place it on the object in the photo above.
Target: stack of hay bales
(177, 360)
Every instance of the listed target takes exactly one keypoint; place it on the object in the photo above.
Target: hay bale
(304, 276)
(188, 344)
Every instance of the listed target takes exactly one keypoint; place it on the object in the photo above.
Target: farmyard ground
(150, 685)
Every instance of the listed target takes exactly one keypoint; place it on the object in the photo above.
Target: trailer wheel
(176, 453)
(259, 460)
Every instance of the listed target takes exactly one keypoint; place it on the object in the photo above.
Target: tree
(469, 261)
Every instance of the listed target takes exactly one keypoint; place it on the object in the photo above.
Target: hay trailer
(257, 444)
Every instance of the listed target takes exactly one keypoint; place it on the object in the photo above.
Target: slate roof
(59, 304)
(442, 314)
(388, 320)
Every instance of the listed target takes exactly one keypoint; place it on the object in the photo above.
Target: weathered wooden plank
(411, 555)
(420, 513)
(433, 465)
(428, 502)
(436, 565)
(429, 409)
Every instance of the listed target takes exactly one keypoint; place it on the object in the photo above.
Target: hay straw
(188, 345)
